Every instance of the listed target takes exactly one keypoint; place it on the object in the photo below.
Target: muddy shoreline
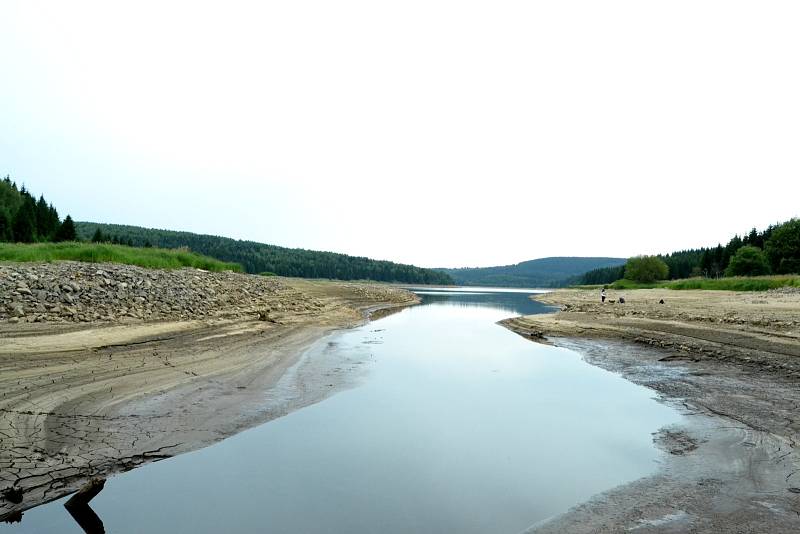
(89, 400)
(732, 465)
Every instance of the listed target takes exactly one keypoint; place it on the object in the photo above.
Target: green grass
(152, 258)
(738, 283)
(630, 284)
(757, 283)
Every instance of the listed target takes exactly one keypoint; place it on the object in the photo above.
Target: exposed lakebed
(454, 424)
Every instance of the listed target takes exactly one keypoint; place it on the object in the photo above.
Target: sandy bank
(729, 362)
(85, 398)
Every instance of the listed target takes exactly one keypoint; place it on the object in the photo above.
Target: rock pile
(83, 292)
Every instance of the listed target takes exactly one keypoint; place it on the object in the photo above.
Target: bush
(646, 269)
(789, 266)
(748, 261)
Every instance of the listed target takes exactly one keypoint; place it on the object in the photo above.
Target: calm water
(457, 425)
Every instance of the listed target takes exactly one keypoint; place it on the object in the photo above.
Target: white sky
(436, 133)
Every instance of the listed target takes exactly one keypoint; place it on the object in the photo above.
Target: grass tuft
(736, 283)
(151, 258)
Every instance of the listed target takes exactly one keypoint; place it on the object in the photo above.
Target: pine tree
(754, 239)
(43, 228)
(5, 227)
(54, 220)
(25, 222)
(98, 236)
(66, 231)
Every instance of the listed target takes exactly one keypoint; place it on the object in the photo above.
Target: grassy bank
(739, 283)
(152, 258)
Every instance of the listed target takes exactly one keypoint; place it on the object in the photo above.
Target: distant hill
(544, 272)
(259, 257)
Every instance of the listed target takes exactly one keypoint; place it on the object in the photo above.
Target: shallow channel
(455, 424)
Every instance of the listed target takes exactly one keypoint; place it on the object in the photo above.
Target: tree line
(774, 250)
(262, 258)
(24, 219)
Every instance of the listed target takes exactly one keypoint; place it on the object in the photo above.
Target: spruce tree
(54, 219)
(66, 231)
(5, 226)
(43, 228)
(25, 222)
(98, 236)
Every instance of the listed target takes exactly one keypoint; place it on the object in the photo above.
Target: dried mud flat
(730, 362)
(84, 396)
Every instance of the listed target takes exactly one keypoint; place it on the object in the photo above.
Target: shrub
(646, 269)
(748, 261)
(788, 266)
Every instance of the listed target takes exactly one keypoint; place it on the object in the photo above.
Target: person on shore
(603, 295)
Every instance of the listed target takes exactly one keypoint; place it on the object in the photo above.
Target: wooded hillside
(543, 272)
(260, 258)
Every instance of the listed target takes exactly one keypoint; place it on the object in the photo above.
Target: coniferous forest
(262, 258)
(24, 219)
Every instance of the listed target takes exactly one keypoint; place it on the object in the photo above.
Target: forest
(774, 250)
(262, 258)
(542, 272)
(24, 219)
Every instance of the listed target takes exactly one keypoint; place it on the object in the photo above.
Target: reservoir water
(454, 424)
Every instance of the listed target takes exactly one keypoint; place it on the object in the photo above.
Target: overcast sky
(437, 133)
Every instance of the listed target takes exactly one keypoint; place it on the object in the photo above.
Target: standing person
(603, 295)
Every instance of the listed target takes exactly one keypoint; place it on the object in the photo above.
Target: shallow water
(457, 425)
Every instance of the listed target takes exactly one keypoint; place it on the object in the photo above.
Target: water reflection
(459, 426)
(78, 507)
(512, 302)
(86, 518)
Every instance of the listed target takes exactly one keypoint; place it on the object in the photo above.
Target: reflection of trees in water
(86, 518)
(78, 507)
(516, 303)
